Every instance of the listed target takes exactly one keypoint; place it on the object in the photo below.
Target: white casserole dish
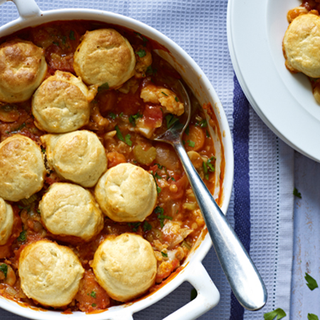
(193, 271)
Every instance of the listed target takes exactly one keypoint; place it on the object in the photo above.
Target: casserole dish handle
(207, 294)
(26, 8)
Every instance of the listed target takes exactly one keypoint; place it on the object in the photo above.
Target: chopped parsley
(164, 93)
(311, 283)
(93, 294)
(164, 254)
(119, 134)
(176, 98)
(112, 115)
(146, 226)
(43, 150)
(191, 143)
(208, 167)
(22, 236)
(127, 140)
(160, 213)
(275, 314)
(207, 134)
(187, 130)
(141, 53)
(296, 193)
(4, 269)
(151, 71)
(104, 86)
(71, 35)
(156, 176)
(94, 305)
(134, 226)
(193, 294)
(171, 120)
(140, 36)
(56, 43)
(312, 316)
(203, 123)
(134, 117)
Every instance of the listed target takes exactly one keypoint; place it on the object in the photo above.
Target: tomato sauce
(115, 116)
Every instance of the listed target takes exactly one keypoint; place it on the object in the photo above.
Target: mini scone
(70, 210)
(104, 56)
(77, 156)
(126, 193)
(61, 103)
(22, 68)
(125, 266)
(6, 221)
(301, 45)
(50, 274)
(22, 168)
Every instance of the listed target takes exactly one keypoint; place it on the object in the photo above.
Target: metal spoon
(244, 279)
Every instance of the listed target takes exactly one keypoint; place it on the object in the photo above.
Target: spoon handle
(243, 277)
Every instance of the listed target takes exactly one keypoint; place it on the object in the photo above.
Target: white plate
(283, 100)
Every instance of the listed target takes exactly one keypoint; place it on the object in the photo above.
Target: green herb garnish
(134, 117)
(164, 254)
(208, 167)
(171, 120)
(278, 314)
(311, 283)
(191, 143)
(56, 43)
(127, 140)
(4, 269)
(104, 86)
(164, 93)
(141, 53)
(296, 193)
(119, 134)
(22, 236)
(71, 35)
(112, 115)
(151, 71)
(176, 98)
(160, 212)
(156, 176)
(312, 316)
(203, 123)
(93, 294)
(94, 305)
(134, 226)
(146, 226)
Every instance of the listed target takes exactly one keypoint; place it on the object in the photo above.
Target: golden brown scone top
(22, 68)
(61, 103)
(50, 273)
(125, 266)
(77, 156)
(301, 45)
(22, 168)
(6, 221)
(126, 193)
(104, 57)
(70, 210)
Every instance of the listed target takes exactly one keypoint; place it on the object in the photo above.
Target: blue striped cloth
(261, 207)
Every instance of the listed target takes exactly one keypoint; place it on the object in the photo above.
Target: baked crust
(50, 274)
(301, 45)
(104, 56)
(78, 156)
(125, 266)
(70, 210)
(126, 193)
(22, 69)
(61, 103)
(22, 168)
(6, 221)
